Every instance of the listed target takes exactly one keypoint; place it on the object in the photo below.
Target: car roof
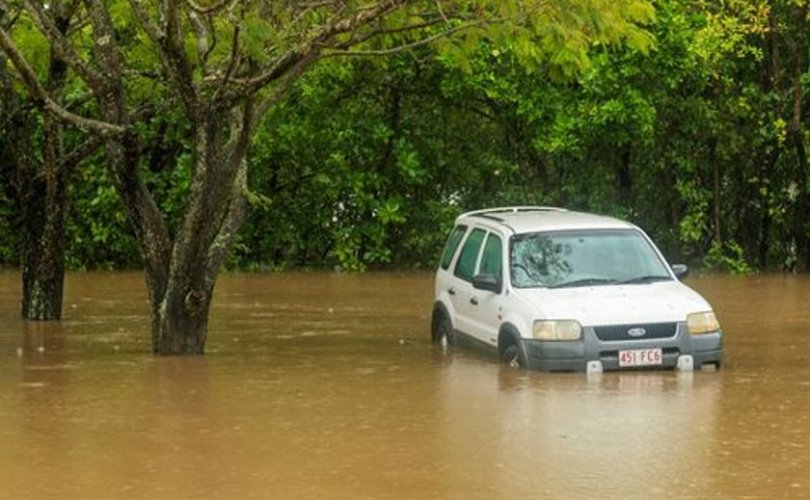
(530, 219)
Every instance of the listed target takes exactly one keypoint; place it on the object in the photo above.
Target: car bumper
(575, 355)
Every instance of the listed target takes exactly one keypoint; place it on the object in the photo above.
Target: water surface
(325, 386)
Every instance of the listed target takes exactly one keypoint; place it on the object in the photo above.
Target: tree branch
(280, 89)
(81, 152)
(175, 60)
(88, 147)
(37, 91)
(333, 27)
(232, 218)
(441, 11)
(62, 46)
(237, 209)
(232, 63)
(213, 9)
(400, 48)
(202, 33)
(356, 40)
(149, 26)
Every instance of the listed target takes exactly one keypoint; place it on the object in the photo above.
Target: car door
(461, 289)
(484, 305)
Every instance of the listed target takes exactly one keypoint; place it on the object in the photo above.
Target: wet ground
(325, 386)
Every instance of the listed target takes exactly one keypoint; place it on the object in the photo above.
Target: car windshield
(584, 258)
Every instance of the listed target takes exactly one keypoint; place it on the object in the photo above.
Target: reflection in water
(325, 386)
(563, 436)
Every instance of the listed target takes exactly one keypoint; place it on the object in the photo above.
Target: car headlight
(702, 322)
(557, 330)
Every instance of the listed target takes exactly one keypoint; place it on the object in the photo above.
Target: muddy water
(324, 386)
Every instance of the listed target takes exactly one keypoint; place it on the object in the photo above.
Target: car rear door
(461, 289)
(485, 306)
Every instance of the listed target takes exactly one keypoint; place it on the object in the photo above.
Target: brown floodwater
(325, 386)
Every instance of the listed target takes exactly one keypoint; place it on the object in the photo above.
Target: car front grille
(636, 332)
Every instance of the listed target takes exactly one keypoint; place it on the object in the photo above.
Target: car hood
(617, 304)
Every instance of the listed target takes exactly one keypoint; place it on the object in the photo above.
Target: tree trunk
(216, 210)
(716, 192)
(800, 227)
(624, 177)
(43, 201)
(181, 273)
(43, 268)
(183, 327)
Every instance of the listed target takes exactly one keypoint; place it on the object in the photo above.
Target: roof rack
(488, 211)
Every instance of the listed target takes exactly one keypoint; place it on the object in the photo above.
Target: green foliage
(679, 119)
(98, 231)
(728, 257)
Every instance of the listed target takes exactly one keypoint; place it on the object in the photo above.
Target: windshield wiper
(584, 282)
(650, 278)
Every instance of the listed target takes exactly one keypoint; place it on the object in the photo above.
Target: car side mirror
(681, 270)
(486, 282)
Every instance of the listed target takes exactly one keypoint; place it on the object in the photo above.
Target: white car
(556, 290)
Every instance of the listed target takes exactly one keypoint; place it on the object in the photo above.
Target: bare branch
(167, 38)
(355, 40)
(213, 9)
(400, 48)
(211, 29)
(232, 63)
(37, 91)
(142, 73)
(62, 46)
(312, 6)
(441, 11)
(175, 61)
(333, 27)
(7, 24)
(148, 24)
(82, 151)
(202, 34)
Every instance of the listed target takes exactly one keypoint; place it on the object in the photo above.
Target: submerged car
(557, 290)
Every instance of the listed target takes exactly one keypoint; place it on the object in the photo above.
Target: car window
(465, 267)
(452, 245)
(492, 260)
(583, 258)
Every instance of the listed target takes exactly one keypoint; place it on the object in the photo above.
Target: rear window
(452, 245)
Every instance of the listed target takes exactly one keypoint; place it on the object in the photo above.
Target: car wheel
(513, 357)
(443, 331)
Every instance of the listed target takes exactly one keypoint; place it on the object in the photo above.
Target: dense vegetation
(175, 92)
(700, 140)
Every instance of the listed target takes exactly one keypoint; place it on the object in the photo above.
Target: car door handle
(474, 301)
(451, 291)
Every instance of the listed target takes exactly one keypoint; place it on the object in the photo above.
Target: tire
(443, 330)
(513, 356)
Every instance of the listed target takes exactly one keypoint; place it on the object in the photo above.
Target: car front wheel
(513, 356)
(443, 330)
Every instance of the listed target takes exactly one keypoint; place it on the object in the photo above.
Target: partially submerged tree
(36, 150)
(225, 63)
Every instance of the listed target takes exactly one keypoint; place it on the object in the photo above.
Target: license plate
(640, 357)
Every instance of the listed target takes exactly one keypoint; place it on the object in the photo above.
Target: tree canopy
(177, 91)
(688, 120)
